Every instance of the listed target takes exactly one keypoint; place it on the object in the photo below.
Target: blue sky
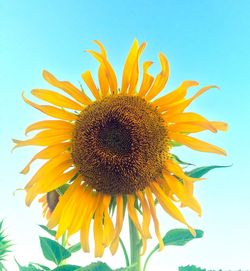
(207, 41)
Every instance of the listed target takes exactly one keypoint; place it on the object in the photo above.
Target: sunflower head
(115, 150)
(119, 144)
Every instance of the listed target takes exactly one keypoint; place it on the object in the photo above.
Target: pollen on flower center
(115, 137)
(119, 144)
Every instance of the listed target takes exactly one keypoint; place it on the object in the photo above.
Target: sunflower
(114, 151)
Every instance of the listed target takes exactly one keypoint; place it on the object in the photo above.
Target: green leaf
(190, 268)
(51, 232)
(53, 251)
(98, 266)
(74, 248)
(4, 246)
(30, 267)
(175, 237)
(129, 268)
(68, 267)
(179, 237)
(177, 159)
(200, 171)
(44, 268)
(2, 268)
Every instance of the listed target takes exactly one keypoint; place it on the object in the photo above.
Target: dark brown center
(119, 144)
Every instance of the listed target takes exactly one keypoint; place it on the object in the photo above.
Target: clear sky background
(207, 41)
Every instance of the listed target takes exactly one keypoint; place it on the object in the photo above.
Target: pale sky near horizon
(206, 41)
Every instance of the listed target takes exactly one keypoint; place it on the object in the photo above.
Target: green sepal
(200, 171)
(51, 232)
(177, 159)
(175, 144)
(62, 189)
(112, 205)
(53, 251)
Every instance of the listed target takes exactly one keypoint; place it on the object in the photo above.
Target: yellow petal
(147, 79)
(57, 180)
(174, 168)
(145, 214)
(129, 63)
(182, 105)
(175, 95)
(185, 117)
(47, 153)
(135, 72)
(118, 225)
(179, 190)
(41, 141)
(93, 202)
(45, 138)
(219, 125)
(103, 51)
(47, 167)
(41, 185)
(56, 99)
(154, 216)
(168, 205)
(88, 79)
(160, 80)
(196, 144)
(189, 118)
(52, 111)
(192, 127)
(103, 80)
(78, 219)
(98, 229)
(50, 124)
(109, 70)
(132, 213)
(133, 216)
(63, 200)
(69, 211)
(109, 231)
(67, 87)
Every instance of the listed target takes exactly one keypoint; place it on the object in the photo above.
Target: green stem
(63, 243)
(135, 245)
(124, 252)
(64, 240)
(149, 256)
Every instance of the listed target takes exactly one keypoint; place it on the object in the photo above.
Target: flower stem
(64, 240)
(135, 245)
(149, 256)
(124, 252)
(64, 244)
